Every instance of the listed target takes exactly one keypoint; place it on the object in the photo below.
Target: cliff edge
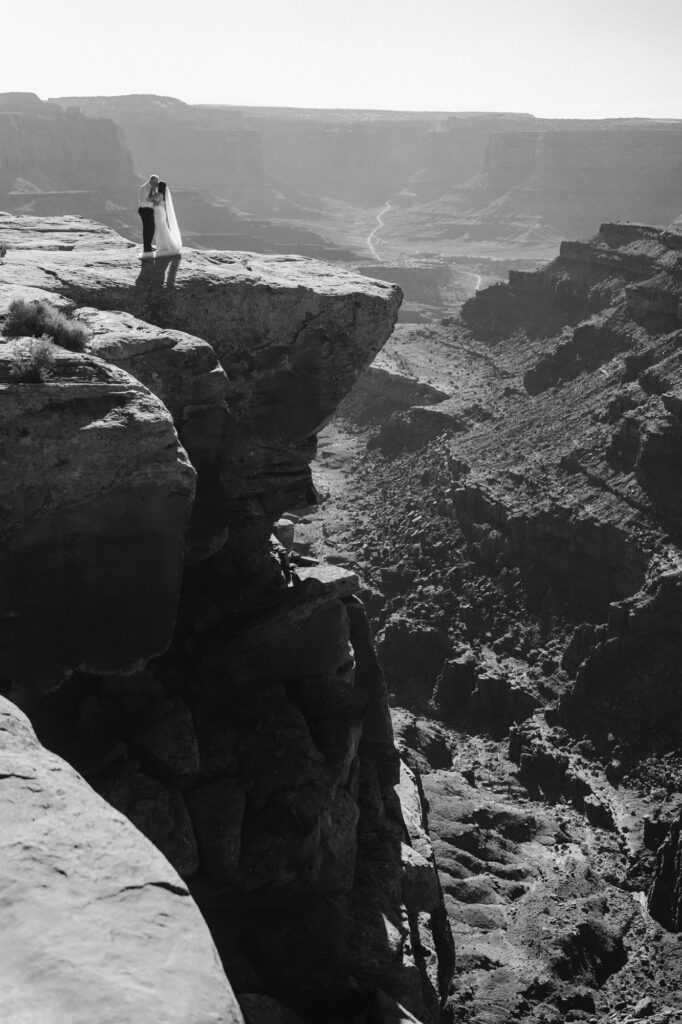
(224, 697)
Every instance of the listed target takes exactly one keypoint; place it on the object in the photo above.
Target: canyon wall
(44, 148)
(203, 147)
(540, 180)
(595, 508)
(221, 694)
(517, 522)
(451, 179)
(574, 176)
(359, 157)
(457, 148)
(247, 155)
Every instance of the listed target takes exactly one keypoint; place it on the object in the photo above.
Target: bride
(167, 233)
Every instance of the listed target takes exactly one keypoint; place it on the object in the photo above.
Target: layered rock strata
(257, 752)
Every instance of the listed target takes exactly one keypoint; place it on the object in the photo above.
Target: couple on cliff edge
(158, 219)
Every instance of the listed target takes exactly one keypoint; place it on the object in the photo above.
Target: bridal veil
(173, 228)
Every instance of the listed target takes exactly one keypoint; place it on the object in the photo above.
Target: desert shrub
(33, 364)
(37, 318)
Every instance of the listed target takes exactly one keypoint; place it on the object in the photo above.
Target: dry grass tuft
(37, 318)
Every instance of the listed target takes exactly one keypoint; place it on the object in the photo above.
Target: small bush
(34, 364)
(36, 318)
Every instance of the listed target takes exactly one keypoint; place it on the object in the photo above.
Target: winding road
(478, 278)
(380, 223)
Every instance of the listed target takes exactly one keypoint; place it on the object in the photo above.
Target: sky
(552, 58)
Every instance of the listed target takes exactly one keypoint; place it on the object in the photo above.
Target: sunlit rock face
(101, 929)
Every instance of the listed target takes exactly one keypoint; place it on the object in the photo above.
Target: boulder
(95, 498)
(97, 927)
(412, 655)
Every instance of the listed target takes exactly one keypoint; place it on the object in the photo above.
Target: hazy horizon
(614, 59)
(357, 109)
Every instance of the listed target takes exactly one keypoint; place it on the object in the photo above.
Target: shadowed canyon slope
(513, 509)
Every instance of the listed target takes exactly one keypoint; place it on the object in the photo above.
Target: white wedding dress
(166, 231)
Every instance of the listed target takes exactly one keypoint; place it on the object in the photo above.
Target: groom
(146, 212)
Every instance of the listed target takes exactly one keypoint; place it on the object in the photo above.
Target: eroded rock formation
(97, 926)
(256, 752)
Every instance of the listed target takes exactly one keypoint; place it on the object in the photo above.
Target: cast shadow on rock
(158, 274)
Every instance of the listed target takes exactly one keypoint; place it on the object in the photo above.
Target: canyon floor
(547, 902)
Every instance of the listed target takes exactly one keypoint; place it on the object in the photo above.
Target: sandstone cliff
(257, 751)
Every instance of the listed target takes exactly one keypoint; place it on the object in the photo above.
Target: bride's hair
(162, 188)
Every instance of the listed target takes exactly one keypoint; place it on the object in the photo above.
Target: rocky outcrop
(382, 391)
(93, 539)
(185, 374)
(292, 335)
(600, 327)
(257, 751)
(95, 930)
(626, 669)
(665, 893)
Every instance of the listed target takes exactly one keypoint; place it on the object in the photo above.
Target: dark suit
(147, 215)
